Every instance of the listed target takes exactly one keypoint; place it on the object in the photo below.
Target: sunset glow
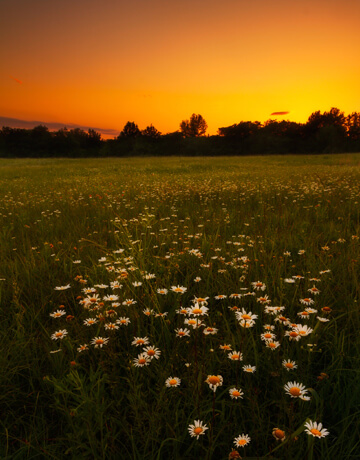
(103, 63)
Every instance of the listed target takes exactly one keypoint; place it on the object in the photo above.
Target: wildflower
(246, 323)
(210, 331)
(316, 429)
(123, 321)
(214, 381)
(314, 290)
(289, 280)
(148, 312)
(83, 348)
(101, 286)
(182, 332)
(59, 335)
(197, 429)
(307, 301)
(225, 347)
(160, 314)
(242, 440)
(197, 279)
(62, 288)
(111, 326)
(234, 454)
(111, 298)
(244, 316)
(269, 327)
(137, 283)
(236, 393)
(152, 352)
(90, 321)
(162, 291)
(304, 314)
(140, 341)
(263, 300)
(295, 390)
(220, 297)
(99, 341)
(235, 356)
(303, 330)
(58, 313)
(287, 253)
(197, 310)
(235, 296)
(259, 286)
(200, 300)
(194, 323)
(129, 302)
(179, 289)
(289, 365)
(267, 336)
(142, 360)
(301, 252)
(249, 369)
(322, 319)
(172, 382)
(273, 344)
(115, 285)
(278, 434)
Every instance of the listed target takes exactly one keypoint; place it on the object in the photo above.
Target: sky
(101, 63)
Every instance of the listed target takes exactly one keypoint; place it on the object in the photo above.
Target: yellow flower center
(268, 336)
(140, 342)
(123, 321)
(214, 380)
(177, 289)
(192, 321)
(172, 382)
(200, 299)
(242, 442)
(246, 317)
(293, 334)
(197, 311)
(99, 341)
(272, 345)
(183, 311)
(289, 365)
(315, 432)
(58, 334)
(304, 313)
(235, 357)
(198, 430)
(236, 393)
(279, 434)
(295, 391)
(142, 361)
(151, 352)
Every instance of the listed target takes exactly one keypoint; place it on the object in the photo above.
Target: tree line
(326, 132)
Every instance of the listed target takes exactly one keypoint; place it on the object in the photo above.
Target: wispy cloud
(16, 79)
(54, 126)
(279, 113)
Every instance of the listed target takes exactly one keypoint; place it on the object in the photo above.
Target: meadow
(180, 308)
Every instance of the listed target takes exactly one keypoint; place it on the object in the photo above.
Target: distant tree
(352, 125)
(241, 130)
(130, 131)
(194, 127)
(151, 132)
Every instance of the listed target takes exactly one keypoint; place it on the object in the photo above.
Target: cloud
(15, 79)
(53, 126)
(279, 113)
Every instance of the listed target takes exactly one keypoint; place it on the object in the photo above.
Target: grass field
(180, 308)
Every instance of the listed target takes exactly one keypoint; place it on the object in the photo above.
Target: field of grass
(141, 295)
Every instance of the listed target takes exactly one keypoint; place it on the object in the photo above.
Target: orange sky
(101, 63)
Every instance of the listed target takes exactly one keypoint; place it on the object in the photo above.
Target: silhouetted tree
(130, 131)
(194, 127)
(151, 132)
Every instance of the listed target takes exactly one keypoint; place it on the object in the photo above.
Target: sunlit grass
(211, 227)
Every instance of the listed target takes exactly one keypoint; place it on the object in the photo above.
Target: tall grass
(229, 221)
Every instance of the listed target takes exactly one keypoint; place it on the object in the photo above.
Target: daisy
(245, 316)
(90, 321)
(242, 440)
(99, 341)
(263, 300)
(129, 302)
(62, 288)
(316, 429)
(314, 290)
(304, 314)
(214, 381)
(295, 389)
(225, 347)
(278, 434)
(197, 310)
(142, 360)
(152, 352)
(58, 313)
(200, 300)
(182, 332)
(123, 321)
(258, 286)
(249, 369)
(162, 291)
(179, 289)
(245, 323)
(111, 326)
(303, 331)
(289, 280)
(111, 298)
(172, 382)
(197, 429)
(59, 335)
(235, 296)
(289, 365)
(220, 297)
(101, 286)
(322, 319)
(210, 331)
(140, 341)
(273, 344)
(307, 301)
(197, 279)
(267, 336)
(235, 356)
(148, 312)
(236, 393)
(84, 347)
(194, 323)
(137, 283)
